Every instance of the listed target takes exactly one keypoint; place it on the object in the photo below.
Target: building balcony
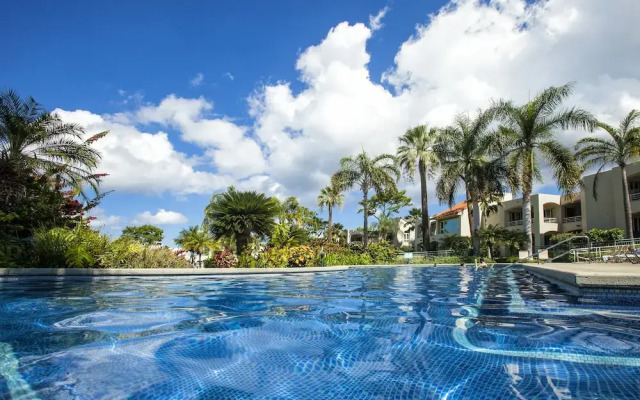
(635, 196)
(567, 220)
(515, 223)
(551, 220)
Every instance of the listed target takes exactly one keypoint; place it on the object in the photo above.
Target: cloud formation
(162, 217)
(197, 80)
(466, 54)
(375, 21)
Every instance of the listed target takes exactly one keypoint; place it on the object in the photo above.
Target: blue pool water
(388, 333)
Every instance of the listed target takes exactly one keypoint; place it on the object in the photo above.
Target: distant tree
(465, 150)
(383, 206)
(368, 174)
(145, 234)
(529, 131)
(340, 233)
(330, 197)
(284, 235)
(416, 152)
(238, 215)
(620, 147)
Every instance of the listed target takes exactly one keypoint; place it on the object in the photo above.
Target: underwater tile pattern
(388, 333)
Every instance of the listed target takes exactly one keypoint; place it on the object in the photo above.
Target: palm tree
(621, 147)
(339, 232)
(329, 197)
(416, 149)
(464, 151)
(35, 141)
(240, 214)
(196, 240)
(367, 174)
(529, 132)
(184, 241)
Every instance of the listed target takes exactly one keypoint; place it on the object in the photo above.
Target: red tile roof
(455, 210)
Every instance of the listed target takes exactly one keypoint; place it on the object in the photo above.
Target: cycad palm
(240, 214)
(367, 174)
(530, 132)
(329, 197)
(621, 147)
(416, 150)
(33, 140)
(464, 151)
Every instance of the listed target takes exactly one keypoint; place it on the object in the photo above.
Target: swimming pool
(387, 333)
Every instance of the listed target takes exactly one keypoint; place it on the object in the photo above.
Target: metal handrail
(562, 242)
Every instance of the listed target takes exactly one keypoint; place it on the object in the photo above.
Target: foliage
(69, 248)
(301, 256)
(222, 259)
(196, 241)
(37, 142)
(464, 149)
(383, 205)
(417, 150)
(381, 253)
(603, 236)
(378, 173)
(284, 235)
(239, 215)
(529, 133)
(459, 244)
(145, 234)
(330, 197)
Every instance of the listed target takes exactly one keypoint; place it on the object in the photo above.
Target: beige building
(404, 237)
(551, 214)
(606, 210)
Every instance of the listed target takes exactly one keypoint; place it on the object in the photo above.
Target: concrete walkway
(594, 278)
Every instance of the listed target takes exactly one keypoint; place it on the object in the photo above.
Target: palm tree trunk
(469, 214)
(199, 260)
(628, 219)
(527, 183)
(426, 241)
(365, 234)
(242, 240)
(330, 222)
(476, 226)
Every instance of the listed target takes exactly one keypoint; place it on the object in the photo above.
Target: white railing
(577, 218)
(514, 223)
(551, 220)
(635, 196)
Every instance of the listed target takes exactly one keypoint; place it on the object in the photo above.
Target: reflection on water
(410, 333)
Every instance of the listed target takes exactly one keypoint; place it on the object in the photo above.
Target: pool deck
(596, 278)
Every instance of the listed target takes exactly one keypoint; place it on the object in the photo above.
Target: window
(406, 237)
(634, 187)
(548, 213)
(636, 224)
(449, 226)
(515, 216)
(573, 210)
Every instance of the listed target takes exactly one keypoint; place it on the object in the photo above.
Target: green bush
(69, 248)
(381, 253)
(459, 244)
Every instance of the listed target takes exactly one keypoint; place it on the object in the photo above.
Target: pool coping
(95, 272)
(586, 279)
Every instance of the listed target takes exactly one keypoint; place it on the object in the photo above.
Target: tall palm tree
(239, 215)
(416, 149)
(33, 140)
(530, 132)
(329, 197)
(464, 150)
(377, 173)
(621, 147)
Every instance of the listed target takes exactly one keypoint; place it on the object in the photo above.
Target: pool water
(387, 333)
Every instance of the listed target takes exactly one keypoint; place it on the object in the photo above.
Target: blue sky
(285, 85)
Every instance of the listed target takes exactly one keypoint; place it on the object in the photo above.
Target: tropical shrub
(74, 248)
(595, 235)
(224, 259)
(301, 256)
(381, 253)
(459, 244)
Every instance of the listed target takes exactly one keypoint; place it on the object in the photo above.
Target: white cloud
(375, 21)
(141, 162)
(229, 75)
(197, 80)
(102, 220)
(162, 217)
